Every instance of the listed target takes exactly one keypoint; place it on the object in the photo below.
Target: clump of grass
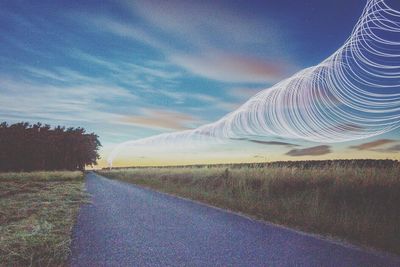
(37, 212)
(358, 204)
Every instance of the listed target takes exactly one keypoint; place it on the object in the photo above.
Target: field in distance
(353, 200)
(37, 212)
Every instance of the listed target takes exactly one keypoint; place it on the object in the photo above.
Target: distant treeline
(302, 164)
(26, 147)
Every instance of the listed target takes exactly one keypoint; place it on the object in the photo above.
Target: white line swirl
(353, 94)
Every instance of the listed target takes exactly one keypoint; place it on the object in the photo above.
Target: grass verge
(37, 212)
(357, 204)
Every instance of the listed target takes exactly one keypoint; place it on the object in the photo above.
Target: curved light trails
(353, 94)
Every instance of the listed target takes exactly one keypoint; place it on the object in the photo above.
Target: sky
(132, 69)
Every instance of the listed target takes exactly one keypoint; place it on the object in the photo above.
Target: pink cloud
(231, 67)
(165, 119)
(311, 151)
(373, 144)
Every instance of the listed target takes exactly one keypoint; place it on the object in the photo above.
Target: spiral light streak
(353, 94)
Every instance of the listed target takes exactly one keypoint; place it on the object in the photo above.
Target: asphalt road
(130, 226)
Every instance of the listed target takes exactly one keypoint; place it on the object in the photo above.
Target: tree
(25, 147)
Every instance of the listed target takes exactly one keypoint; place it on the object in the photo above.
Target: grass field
(37, 212)
(350, 202)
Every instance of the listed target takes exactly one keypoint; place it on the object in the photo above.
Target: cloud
(214, 101)
(243, 93)
(182, 97)
(123, 67)
(164, 119)
(311, 151)
(230, 67)
(395, 148)
(92, 59)
(219, 40)
(274, 143)
(373, 144)
(218, 44)
(391, 149)
(207, 23)
(24, 99)
(122, 29)
(239, 139)
(59, 74)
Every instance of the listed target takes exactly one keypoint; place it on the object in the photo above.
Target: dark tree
(25, 147)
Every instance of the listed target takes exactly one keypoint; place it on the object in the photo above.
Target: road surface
(130, 226)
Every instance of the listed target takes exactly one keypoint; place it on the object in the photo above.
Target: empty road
(126, 225)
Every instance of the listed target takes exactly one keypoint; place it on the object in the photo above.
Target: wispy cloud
(214, 45)
(60, 74)
(123, 29)
(127, 67)
(263, 142)
(206, 23)
(272, 143)
(164, 119)
(230, 67)
(373, 144)
(391, 149)
(215, 102)
(311, 151)
(30, 100)
(182, 97)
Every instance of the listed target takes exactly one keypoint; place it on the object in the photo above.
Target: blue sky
(132, 69)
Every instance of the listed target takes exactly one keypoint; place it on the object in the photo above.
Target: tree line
(26, 147)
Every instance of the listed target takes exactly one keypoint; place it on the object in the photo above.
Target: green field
(356, 203)
(37, 212)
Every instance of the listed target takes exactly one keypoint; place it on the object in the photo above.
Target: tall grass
(37, 212)
(42, 176)
(358, 204)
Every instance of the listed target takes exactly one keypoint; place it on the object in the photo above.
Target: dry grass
(358, 204)
(37, 212)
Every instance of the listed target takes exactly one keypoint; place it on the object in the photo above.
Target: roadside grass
(357, 204)
(37, 212)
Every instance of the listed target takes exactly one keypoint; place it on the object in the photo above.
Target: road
(126, 225)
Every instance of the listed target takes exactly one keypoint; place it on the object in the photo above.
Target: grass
(37, 212)
(353, 203)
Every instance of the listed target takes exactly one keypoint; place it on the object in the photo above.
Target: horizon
(245, 164)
